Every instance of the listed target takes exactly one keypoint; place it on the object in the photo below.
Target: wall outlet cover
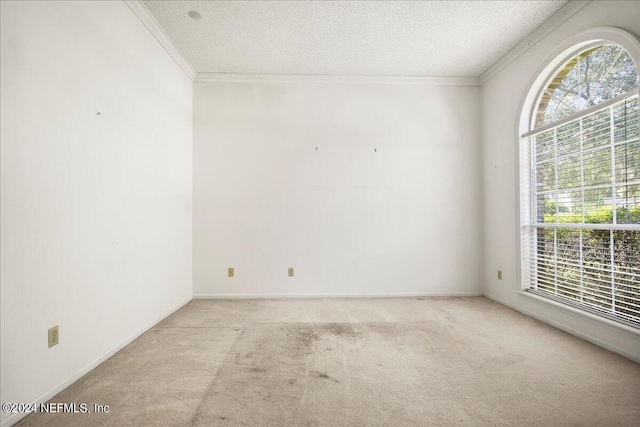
(54, 336)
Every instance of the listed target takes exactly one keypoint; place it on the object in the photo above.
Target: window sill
(581, 313)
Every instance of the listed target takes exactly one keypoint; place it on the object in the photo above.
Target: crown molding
(328, 78)
(148, 20)
(564, 13)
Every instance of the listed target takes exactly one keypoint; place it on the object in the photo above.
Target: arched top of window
(594, 75)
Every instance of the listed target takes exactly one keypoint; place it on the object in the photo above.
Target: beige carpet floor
(355, 362)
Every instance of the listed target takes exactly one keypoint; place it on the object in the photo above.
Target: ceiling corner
(564, 13)
(150, 22)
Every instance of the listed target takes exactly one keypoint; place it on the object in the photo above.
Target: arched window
(580, 183)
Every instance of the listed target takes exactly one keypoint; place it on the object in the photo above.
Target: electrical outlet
(290, 271)
(499, 274)
(54, 337)
(230, 272)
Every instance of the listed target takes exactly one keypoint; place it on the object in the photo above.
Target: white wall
(502, 96)
(351, 221)
(96, 209)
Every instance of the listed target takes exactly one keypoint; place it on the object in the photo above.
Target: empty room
(320, 213)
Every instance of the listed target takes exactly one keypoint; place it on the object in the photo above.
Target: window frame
(526, 125)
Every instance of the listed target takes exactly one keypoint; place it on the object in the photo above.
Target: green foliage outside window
(595, 270)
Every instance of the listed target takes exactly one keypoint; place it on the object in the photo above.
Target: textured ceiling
(374, 38)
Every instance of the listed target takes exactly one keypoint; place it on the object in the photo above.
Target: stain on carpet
(262, 366)
(323, 376)
(344, 330)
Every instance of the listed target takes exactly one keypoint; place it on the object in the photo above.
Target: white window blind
(580, 208)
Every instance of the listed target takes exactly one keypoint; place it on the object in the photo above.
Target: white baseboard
(585, 336)
(14, 418)
(381, 295)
